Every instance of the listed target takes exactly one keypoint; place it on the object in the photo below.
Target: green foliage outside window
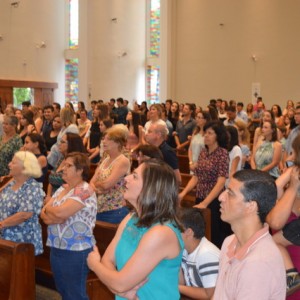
(20, 95)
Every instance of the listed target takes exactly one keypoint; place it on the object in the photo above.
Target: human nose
(222, 196)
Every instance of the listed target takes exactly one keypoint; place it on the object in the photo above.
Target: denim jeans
(70, 272)
(114, 216)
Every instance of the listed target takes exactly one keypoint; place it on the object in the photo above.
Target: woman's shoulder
(31, 183)
(277, 144)
(166, 233)
(122, 160)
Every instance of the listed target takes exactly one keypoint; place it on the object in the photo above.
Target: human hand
(47, 199)
(193, 166)
(93, 258)
(131, 294)
(201, 205)
(294, 178)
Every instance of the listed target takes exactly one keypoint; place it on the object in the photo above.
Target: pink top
(255, 271)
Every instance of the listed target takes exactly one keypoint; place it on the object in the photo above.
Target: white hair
(31, 164)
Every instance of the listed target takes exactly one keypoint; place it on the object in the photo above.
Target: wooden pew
(104, 233)
(93, 168)
(189, 201)
(183, 163)
(16, 271)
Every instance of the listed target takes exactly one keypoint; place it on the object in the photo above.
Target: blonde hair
(66, 116)
(118, 134)
(240, 125)
(31, 165)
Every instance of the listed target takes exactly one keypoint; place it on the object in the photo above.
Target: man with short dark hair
(231, 116)
(257, 115)
(111, 104)
(251, 265)
(241, 113)
(121, 111)
(48, 112)
(90, 113)
(185, 128)
(25, 106)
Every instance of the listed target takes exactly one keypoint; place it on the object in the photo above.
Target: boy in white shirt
(200, 261)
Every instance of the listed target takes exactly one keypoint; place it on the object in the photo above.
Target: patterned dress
(264, 156)
(28, 198)
(7, 152)
(112, 198)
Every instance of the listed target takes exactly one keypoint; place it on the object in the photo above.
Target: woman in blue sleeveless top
(143, 260)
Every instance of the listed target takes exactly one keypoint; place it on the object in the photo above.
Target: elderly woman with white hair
(21, 200)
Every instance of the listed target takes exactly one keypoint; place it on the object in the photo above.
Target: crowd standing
(222, 141)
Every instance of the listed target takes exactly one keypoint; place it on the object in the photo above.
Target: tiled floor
(43, 293)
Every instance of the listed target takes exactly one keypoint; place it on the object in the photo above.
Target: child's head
(192, 220)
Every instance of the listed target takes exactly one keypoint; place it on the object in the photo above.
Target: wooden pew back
(183, 162)
(104, 233)
(16, 271)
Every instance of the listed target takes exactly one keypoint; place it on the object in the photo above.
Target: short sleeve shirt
(76, 233)
(210, 167)
(28, 198)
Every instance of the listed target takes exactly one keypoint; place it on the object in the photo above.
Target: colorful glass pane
(73, 21)
(153, 84)
(155, 28)
(71, 85)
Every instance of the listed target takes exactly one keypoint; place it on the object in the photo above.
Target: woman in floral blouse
(21, 201)
(108, 180)
(210, 176)
(10, 143)
(71, 216)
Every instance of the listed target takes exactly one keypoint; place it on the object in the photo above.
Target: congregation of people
(244, 164)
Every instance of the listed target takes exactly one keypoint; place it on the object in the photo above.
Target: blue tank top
(164, 279)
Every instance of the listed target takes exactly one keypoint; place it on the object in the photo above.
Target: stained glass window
(153, 66)
(73, 24)
(71, 86)
(71, 64)
(152, 84)
(155, 28)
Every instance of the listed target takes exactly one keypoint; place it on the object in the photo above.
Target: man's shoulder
(164, 146)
